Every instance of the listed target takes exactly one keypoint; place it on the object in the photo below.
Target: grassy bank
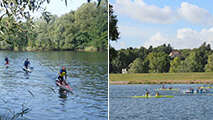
(162, 78)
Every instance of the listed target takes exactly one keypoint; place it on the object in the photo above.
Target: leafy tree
(142, 53)
(158, 62)
(209, 66)
(113, 29)
(174, 64)
(163, 48)
(194, 63)
(139, 66)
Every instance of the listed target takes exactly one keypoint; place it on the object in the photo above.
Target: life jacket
(62, 73)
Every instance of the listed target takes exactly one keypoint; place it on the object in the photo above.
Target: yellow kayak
(209, 87)
(168, 89)
(160, 96)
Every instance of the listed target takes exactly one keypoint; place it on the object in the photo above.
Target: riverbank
(87, 49)
(162, 78)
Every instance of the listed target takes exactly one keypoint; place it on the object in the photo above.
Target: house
(174, 54)
(124, 71)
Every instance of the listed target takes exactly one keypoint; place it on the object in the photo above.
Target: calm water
(87, 75)
(181, 107)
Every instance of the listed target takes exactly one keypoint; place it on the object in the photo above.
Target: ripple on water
(87, 75)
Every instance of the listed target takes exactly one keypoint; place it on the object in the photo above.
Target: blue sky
(59, 8)
(182, 23)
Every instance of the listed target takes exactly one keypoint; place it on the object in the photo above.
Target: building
(124, 71)
(174, 54)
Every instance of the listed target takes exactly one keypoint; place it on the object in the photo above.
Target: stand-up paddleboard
(26, 70)
(160, 96)
(7, 65)
(64, 87)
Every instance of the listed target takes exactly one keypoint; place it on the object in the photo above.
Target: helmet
(63, 67)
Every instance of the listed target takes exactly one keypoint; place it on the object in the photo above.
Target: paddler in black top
(62, 76)
(26, 63)
(6, 61)
(146, 93)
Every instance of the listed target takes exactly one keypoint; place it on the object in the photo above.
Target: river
(35, 96)
(181, 107)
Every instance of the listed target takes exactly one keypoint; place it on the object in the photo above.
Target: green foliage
(158, 62)
(174, 64)
(139, 66)
(163, 48)
(209, 65)
(84, 28)
(113, 29)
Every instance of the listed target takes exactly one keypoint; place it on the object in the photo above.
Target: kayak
(26, 70)
(209, 87)
(64, 87)
(167, 89)
(160, 96)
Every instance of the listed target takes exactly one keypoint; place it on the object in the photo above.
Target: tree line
(83, 29)
(161, 59)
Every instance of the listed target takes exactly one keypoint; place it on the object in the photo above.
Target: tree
(174, 64)
(194, 63)
(17, 12)
(209, 66)
(158, 62)
(139, 66)
(163, 48)
(113, 29)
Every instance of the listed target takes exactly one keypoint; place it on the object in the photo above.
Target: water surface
(181, 107)
(87, 75)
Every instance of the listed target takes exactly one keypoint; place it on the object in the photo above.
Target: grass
(162, 78)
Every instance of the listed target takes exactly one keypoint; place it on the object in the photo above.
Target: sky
(58, 7)
(181, 23)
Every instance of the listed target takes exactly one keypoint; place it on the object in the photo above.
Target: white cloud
(195, 14)
(156, 40)
(143, 12)
(139, 10)
(185, 38)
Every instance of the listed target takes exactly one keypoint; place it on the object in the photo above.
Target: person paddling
(26, 63)
(6, 61)
(62, 76)
(157, 94)
(146, 93)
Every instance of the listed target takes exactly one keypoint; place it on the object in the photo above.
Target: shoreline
(157, 83)
(162, 78)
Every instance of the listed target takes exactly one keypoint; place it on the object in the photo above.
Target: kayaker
(26, 63)
(146, 93)
(62, 76)
(6, 61)
(163, 87)
(157, 94)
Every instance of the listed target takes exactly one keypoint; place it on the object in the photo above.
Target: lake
(37, 95)
(182, 107)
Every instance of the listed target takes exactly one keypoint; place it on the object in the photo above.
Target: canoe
(167, 89)
(160, 96)
(64, 87)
